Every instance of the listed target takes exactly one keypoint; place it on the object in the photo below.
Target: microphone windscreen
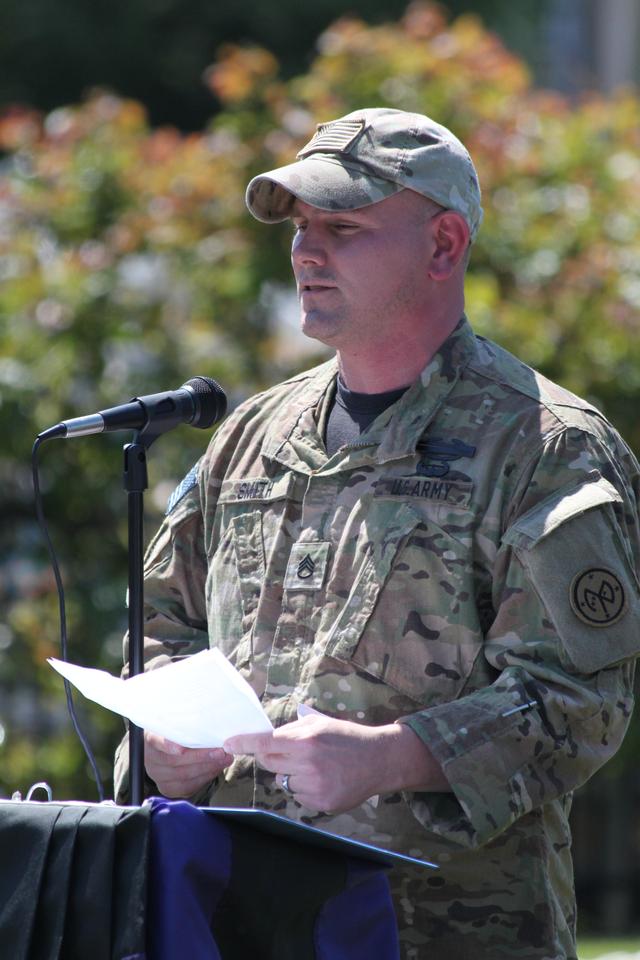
(210, 400)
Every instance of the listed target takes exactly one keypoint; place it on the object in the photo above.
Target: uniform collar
(296, 441)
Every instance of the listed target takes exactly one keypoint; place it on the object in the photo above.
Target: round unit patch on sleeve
(597, 597)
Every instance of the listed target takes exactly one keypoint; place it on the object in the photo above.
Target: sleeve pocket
(572, 551)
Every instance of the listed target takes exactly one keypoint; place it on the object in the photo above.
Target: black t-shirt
(352, 413)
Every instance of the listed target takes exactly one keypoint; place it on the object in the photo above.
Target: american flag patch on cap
(335, 137)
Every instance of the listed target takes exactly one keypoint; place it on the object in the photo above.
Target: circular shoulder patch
(597, 597)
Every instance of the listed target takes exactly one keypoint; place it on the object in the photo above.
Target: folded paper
(196, 702)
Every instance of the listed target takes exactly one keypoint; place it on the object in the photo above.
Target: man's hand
(181, 771)
(335, 765)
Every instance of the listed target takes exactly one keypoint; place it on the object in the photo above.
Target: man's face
(362, 275)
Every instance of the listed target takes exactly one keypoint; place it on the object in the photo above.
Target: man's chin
(324, 330)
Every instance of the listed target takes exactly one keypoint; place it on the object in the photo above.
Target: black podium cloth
(169, 880)
(73, 881)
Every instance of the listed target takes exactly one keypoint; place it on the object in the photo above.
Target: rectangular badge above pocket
(260, 489)
(456, 493)
(307, 566)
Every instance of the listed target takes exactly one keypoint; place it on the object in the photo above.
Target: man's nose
(307, 248)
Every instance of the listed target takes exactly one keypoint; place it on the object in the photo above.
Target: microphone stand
(162, 412)
(135, 483)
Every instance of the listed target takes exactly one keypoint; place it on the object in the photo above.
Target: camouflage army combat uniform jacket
(467, 566)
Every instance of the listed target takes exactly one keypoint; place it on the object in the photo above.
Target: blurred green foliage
(128, 264)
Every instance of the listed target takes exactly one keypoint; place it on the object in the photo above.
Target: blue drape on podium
(236, 892)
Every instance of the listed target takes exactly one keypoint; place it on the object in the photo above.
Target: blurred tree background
(156, 50)
(128, 264)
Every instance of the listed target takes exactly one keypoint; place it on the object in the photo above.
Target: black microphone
(200, 402)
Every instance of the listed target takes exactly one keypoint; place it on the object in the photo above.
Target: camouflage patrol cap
(369, 155)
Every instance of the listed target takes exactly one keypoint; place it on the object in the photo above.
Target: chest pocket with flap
(410, 618)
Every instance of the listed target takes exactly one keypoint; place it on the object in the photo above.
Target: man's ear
(450, 233)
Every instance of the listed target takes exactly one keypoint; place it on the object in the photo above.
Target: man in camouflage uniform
(450, 582)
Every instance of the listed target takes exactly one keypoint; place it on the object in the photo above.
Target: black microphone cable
(63, 617)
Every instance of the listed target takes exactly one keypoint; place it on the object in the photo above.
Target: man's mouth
(315, 287)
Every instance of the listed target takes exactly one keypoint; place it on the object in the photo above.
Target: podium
(167, 881)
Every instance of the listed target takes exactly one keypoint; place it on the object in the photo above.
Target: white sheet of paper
(197, 702)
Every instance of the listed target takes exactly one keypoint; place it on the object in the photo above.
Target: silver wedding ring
(285, 785)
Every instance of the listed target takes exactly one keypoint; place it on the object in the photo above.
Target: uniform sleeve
(175, 620)
(566, 630)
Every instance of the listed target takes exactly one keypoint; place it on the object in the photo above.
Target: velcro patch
(307, 566)
(256, 488)
(437, 455)
(574, 554)
(335, 137)
(443, 491)
(183, 488)
(597, 597)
